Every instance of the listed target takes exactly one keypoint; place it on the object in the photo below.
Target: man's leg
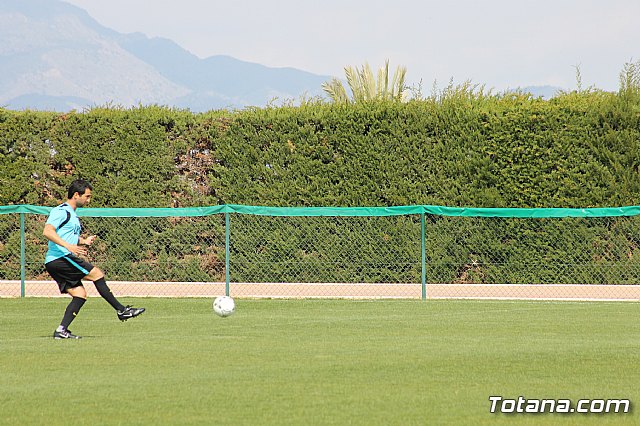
(124, 312)
(78, 297)
(97, 277)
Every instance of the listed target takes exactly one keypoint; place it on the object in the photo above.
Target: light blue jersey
(67, 224)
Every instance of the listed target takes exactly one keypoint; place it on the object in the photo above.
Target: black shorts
(68, 271)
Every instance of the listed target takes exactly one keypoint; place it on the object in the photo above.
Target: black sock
(72, 310)
(105, 292)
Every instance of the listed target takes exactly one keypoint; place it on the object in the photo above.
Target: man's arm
(51, 235)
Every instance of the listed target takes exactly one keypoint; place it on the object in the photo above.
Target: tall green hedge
(462, 148)
(579, 149)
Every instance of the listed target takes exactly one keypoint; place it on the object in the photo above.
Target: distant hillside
(54, 56)
(545, 92)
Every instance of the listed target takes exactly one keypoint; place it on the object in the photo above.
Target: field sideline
(316, 362)
(582, 292)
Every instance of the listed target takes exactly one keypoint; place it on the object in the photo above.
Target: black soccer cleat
(64, 334)
(129, 312)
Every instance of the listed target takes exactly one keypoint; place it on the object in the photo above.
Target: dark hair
(78, 186)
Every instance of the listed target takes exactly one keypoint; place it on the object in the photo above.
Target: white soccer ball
(224, 306)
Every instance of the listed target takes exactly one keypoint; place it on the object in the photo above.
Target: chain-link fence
(403, 252)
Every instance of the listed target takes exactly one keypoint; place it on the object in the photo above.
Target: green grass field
(315, 362)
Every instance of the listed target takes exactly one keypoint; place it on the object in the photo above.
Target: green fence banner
(526, 213)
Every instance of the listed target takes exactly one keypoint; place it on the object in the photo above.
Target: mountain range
(54, 56)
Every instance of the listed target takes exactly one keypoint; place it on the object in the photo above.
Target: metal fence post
(22, 256)
(226, 251)
(424, 258)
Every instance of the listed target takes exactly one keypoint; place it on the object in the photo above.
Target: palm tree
(364, 86)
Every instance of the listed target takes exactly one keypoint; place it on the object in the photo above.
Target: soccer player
(68, 269)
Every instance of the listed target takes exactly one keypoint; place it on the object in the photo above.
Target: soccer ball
(224, 306)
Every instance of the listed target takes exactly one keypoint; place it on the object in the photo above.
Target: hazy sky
(499, 43)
